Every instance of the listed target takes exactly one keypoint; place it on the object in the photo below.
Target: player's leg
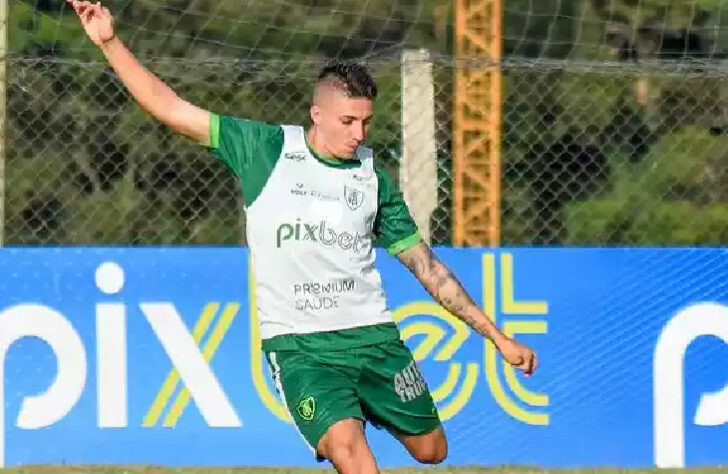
(345, 445)
(428, 448)
(395, 396)
(322, 401)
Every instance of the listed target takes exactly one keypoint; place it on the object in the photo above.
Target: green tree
(678, 195)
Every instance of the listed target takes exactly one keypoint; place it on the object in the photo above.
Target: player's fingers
(87, 14)
(107, 12)
(529, 368)
(79, 7)
(526, 364)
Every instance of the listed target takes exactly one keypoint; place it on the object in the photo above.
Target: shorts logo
(307, 408)
(409, 383)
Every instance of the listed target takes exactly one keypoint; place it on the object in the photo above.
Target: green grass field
(434, 470)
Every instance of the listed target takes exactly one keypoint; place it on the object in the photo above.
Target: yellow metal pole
(477, 122)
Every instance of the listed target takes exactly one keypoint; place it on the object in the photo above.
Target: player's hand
(96, 20)
(518, 355)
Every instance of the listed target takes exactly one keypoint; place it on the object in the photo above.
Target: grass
(271, 470)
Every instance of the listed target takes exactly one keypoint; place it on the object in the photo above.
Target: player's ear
(315, 114)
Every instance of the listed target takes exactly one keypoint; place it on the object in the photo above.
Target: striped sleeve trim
(214, 131)
(404, 244)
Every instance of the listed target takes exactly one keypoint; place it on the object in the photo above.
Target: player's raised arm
(152, 94)
(440, 282)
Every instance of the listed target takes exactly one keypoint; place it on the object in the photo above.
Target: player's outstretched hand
(96, 20)
(518, 355)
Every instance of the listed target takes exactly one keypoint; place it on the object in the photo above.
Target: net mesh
(581, 29)
(614, 127)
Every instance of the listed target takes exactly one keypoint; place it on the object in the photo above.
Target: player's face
(342, 123)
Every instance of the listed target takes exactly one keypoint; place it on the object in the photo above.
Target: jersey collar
(331, 161)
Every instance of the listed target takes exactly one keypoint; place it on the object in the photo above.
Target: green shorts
(380, 384)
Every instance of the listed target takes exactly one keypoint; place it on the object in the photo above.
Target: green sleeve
(249, 148)
(394, 228)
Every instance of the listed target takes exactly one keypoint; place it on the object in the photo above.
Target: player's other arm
(152, 94)
(440, 282)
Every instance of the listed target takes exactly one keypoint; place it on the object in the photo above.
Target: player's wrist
(498, 338)
(112, 42)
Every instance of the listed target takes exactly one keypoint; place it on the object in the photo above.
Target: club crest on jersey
(353, 197)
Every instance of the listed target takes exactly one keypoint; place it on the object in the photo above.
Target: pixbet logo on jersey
(321, 233)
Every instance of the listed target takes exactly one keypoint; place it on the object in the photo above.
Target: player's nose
(358, 132)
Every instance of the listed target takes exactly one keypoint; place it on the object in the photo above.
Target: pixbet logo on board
(189, 361)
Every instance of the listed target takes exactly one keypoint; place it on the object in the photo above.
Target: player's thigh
(430, 447)
(394, 394)
(345, 445)
(316, 395)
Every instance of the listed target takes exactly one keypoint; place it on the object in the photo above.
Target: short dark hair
(352, 78)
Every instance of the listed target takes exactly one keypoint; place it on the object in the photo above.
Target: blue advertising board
(151, 355)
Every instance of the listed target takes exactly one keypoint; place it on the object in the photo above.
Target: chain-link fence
(603, 155)
(592, 153)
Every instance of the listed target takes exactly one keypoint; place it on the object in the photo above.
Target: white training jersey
(312, 224)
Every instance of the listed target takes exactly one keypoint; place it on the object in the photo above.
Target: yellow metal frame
(477, 123)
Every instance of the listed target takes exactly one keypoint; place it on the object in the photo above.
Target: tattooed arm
(440, 282)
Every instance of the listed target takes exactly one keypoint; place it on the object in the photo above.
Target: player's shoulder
(242, 122)
(364, 153)
(292, 129)
(365, 156)
(294, 136)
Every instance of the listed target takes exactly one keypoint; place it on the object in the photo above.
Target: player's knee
(433, 452)
(343, 443)
(431, 456)
(341, 451)
(347, 452)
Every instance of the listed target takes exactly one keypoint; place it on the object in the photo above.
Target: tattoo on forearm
(442, 284)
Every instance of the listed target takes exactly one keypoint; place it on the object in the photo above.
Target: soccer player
(316, 205)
